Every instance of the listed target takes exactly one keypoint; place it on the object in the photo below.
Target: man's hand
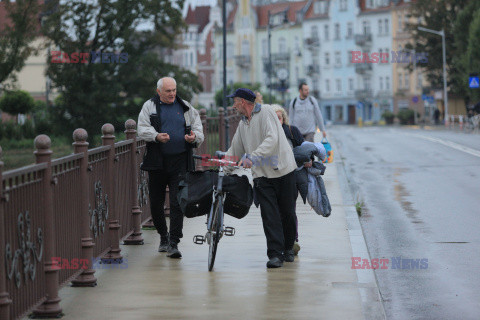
(308, 164)
(190, 138)
(324, 134)
(246, 163)
(163, 137)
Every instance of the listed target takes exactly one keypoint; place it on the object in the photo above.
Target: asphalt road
(421, 196)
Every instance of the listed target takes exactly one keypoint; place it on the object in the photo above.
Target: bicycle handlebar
(216, 161)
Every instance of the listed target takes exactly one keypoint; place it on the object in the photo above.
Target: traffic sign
(474, 82)
(415, 99)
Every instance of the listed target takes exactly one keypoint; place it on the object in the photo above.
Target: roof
(199, 16)
(3, 15)
(310, 14)
(274, 8)
(364, 9)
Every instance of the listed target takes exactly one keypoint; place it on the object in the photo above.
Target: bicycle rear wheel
(215, 232)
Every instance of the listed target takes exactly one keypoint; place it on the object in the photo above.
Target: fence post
(108, 139)
(221, 128)
(203, 148)
(51, 306)
(136, 236)
(86, 278)
(5, 300)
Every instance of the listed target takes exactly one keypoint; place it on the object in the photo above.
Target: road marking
(450, 144)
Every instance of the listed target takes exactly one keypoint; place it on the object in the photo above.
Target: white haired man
(172, 128)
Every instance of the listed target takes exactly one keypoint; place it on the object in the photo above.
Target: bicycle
(215, 218)
(472, 123)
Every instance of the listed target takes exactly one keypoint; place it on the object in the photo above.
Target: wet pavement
(420, 194)
(320, 284)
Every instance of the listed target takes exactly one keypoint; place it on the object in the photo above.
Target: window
(338, 83)
(380, 27)
(386, 29)
(297, 73)
(343, 5)
(264, 48)
(349, 58)
(387, 83)
(419, 81)
(366, 83)
(337, 31)
(327, 59)
(366, 27)
(400, 77)
(282, 45)
(316, 8)
(381, 83)
(407, 80)
(338, 58)
(230, 49)
(191, 58)
(349, 30)
(245, 48)
(400, 26)
(186, 59)
(350, 84)
(326, 32)
(314, 32)
(370, 4)
(327, 85)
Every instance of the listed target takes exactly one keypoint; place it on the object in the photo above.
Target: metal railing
(57, 215)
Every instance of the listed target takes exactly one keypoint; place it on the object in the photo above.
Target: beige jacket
(265, 143)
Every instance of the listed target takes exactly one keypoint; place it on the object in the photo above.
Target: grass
(359, 207)
(19, 153)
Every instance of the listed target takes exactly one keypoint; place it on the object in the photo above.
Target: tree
(15, 102)
(107, 90)
(435, 15)
(231, 88)
(17, 34)
(467, 60)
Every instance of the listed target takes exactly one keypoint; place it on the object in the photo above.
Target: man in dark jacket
(171, 127)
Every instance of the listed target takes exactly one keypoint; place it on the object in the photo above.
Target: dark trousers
(277, 206)
(173, 168)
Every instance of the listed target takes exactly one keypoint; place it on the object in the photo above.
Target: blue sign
(474, 82)
(427, 98)
(415, 99)
(359, 105)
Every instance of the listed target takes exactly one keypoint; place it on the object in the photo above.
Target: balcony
(313, 69)
(280, 57)
(243, 61)
(384, 94)
(363, 94)
(363, 40)
(363, 68)
(312, 43)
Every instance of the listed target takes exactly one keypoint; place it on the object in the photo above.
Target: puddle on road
(401, 194)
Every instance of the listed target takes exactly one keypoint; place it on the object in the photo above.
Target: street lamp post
(224, 18)
(442, 34)
(270, 66)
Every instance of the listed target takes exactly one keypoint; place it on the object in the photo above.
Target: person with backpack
(305, 114)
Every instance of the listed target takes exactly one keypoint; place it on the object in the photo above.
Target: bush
(27, 129)
(406, 116)
(388, 116)
(15, 102)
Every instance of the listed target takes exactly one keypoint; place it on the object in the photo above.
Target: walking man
(262, 145)
(305, 114)
(172, 128)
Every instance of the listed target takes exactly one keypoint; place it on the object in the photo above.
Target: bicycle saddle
(220, 154)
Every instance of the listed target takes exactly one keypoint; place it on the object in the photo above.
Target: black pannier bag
(195, 194)
(239, 197)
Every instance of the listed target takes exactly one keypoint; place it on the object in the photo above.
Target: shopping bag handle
(324, 140)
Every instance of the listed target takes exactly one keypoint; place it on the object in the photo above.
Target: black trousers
(173, 168)
(277, 206)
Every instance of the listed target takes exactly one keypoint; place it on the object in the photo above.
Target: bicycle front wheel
(215, 232)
